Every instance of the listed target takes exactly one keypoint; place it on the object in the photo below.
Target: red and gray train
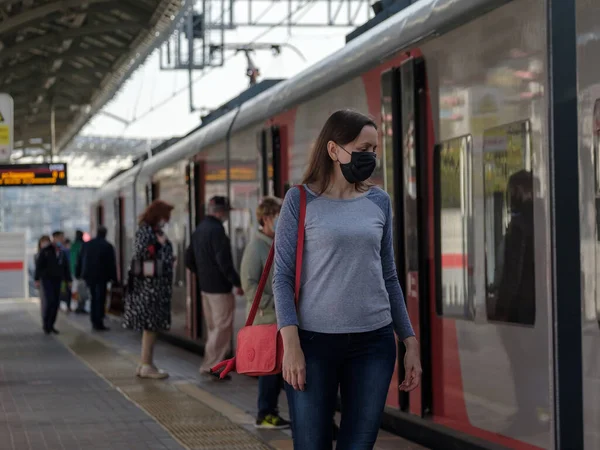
(467, 94)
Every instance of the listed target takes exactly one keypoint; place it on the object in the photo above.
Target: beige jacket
(253, 262)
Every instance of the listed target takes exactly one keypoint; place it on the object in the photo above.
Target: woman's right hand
(162, 239)
(294, 365)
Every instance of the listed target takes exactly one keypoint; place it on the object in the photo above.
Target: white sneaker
(148, 371)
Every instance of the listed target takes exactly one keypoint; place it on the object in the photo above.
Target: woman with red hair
(148, 303)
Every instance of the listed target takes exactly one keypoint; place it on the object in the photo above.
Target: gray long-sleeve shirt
(349, 281)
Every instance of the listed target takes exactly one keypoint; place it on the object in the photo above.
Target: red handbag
(260, 347)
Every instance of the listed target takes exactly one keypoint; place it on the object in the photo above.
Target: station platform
(78, 390)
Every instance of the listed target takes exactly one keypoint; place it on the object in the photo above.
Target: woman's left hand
(412, 365)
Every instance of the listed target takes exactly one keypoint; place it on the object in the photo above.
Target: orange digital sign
(48, 174)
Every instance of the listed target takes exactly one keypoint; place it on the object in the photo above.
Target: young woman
(253, 263)
(342, 336)
(148, 303)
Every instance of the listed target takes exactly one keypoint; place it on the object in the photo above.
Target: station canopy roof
(72, 56)
(93, 160)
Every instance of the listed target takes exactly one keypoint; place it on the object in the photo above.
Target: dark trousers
(361, 366)
(269, 388)
(98, 294)
(51, 302)
(66, 297)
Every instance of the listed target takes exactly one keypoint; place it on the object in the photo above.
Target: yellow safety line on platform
(186, 412)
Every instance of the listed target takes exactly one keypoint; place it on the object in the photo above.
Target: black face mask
(360, 167)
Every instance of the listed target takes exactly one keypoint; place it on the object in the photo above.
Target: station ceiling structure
(92, 160)
(63, 60)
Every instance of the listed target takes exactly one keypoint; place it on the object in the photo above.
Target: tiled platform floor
(51, 400)
(78, 391)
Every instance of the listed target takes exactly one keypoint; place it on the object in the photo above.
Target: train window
(596, 125)
(276, 165)
(384, 173)
(455, 227)
(596, 128)
(508, 224)
(269, 162)
(265, 163)
(100, 215)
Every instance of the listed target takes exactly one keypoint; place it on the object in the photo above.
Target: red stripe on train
(453, 260)
(11, 265)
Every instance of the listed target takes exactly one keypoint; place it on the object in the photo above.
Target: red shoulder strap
(269, 263)
(300, 243)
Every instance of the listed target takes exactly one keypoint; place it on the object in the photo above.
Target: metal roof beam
(59, 104)
(45, 62)
(58, 38)
(40, 12)
(76, 75)
(33, 82)
(37, 130)
(87, 30)
(134, 11)
(141, 5)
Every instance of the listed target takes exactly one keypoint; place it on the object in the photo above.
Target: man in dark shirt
(51, 269)
(209, 256)
(97, 266)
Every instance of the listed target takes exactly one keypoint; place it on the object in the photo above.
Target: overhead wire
(211, 69)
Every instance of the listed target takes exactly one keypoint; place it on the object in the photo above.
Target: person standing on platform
(79, 285)
(148, 301)
(51, 269)
(209, 257)
(43, 242)
(98, 266)
(253, 263)
(65, 290)
(342, 334)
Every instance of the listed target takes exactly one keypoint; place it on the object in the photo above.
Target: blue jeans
(269, 388)
(360, 365)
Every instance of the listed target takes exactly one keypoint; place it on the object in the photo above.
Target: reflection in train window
(596, 125)
(509, 228)
(455, 227)
(384, 173)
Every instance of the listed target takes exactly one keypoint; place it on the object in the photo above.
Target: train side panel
(173, 189)
(311, 116)
(244, 193)
(588, 17)
(487, 81)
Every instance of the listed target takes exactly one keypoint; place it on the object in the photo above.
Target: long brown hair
(45, 237)
(342, 127)
(155, 211)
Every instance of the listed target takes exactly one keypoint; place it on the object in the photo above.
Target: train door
(152, 192)
(407, 179)
(415, 206)
(98, 214)
(271, 155)
(119, 234)
(196, 181)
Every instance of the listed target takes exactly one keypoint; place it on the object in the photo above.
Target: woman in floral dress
(148, 302)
